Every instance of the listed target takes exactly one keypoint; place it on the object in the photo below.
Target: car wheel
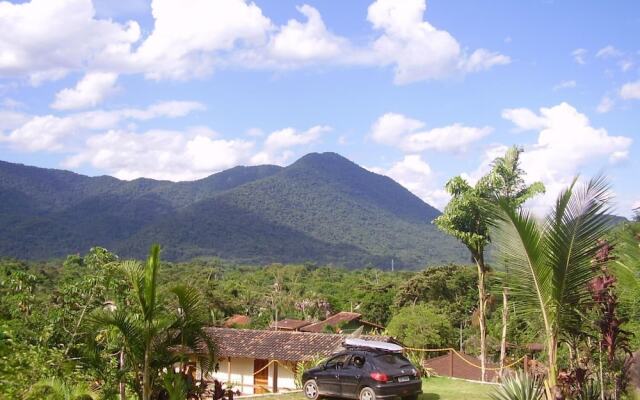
(311, 391)
(367, 394)
(412, 397)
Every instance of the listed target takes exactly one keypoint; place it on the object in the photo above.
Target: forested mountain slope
(322, 208)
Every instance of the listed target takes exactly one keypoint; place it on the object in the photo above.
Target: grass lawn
(433, 389)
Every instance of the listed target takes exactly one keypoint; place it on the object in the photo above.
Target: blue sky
(416, 91)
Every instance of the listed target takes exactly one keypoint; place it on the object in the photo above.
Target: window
(337, 361)
(393, 359)
(357, 361)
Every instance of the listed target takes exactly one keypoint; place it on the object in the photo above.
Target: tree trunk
(482, 303)
(146, 384)
(121, 384)
(552, 352)
(503, 342)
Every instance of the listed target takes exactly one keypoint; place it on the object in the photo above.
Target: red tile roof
(277, 345)
(289, 324)
(336, 319)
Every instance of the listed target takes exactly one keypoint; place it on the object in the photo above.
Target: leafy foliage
(551, 263)
(519, 387)
(422, 326)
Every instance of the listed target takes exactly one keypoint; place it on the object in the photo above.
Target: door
(260, 376)
(328, 379)
(351, 375)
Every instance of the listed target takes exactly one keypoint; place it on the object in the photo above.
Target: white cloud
(48, 38)
(277, 146)
(625, 65)
(565, 85)
(416, 175)
(11, 119)
(49, 132)
(408, 134)
(608, 52)
(52, 38)
(566, 143)
(636, 205)
(305, 41)
(417, 49)
(523, 118)
(605, 105)
(579, 56)
(91, 90)
(482, 60)
(161, 154)
(630, 90)
(185, 40)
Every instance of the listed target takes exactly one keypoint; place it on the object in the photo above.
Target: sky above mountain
(419, 91)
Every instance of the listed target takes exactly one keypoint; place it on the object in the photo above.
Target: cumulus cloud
(91, 90)
(51, 38)
(417, 49)
(185, 40)
(277, 146)
(410, 136)
(417, 176)
(566, 143)
(180, 155)
(49, 132)
(160, 154)
(630, 90)
(305, 41)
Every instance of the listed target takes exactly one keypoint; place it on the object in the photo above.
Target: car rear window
(392, 359)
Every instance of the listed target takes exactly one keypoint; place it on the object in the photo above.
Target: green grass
(437, 388)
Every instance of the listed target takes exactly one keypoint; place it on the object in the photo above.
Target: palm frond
(128, 327)
(571, 239)
(150, 281)
(519, 238)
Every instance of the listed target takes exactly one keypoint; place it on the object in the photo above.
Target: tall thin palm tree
(158, 334)
(551, 261)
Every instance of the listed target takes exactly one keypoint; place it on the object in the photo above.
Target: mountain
(322, 208)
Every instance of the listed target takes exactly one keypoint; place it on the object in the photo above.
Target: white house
(264, 361)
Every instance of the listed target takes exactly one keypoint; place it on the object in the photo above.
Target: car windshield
(392, 359)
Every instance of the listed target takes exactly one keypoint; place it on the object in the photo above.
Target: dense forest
(46, 307)
(322, 208)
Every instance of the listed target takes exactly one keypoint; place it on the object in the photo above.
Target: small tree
(467, 218)
(155, 331)
(422, 326)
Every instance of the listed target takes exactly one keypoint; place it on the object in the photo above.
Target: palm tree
(158, 334)
(551, 261)
(56, 389)
(505, 181)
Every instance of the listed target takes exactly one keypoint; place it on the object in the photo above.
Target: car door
(351, 375)
(328, 379)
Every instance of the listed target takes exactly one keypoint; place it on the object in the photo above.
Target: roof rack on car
(372, 344)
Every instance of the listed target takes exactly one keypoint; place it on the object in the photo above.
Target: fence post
(526, 364)
(451, 363)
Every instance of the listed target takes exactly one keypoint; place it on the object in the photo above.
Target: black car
(364, 373)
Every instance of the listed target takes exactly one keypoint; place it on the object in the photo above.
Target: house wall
(286, 378)
(240, 375)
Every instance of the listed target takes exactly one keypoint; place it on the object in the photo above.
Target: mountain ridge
(322, 208)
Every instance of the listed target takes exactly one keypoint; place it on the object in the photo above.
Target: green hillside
(323, 208)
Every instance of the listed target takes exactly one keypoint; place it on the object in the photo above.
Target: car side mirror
(339, 365)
